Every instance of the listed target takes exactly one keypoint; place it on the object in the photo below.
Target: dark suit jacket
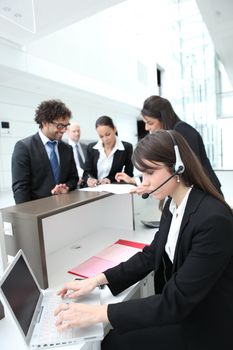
(32, 176)
(195, 141)
(198, 295)
(120, 159)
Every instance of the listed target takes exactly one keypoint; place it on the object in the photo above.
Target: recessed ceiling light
(18, 15)
(6, 9)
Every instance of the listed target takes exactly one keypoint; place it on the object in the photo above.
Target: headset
(178, 167)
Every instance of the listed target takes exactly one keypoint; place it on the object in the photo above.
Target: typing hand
(59, 189)
(76, 288)
(79, 315)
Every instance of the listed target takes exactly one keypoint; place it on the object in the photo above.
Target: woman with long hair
(191, 255)
(158, 113)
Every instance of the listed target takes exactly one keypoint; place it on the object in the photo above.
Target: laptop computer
(32, 309)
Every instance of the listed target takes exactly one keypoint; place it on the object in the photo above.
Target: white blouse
(177, 216)
(104, 163)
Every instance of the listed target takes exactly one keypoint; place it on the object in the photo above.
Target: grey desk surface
(55, 204)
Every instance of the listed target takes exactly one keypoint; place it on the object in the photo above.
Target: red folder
(109, 257)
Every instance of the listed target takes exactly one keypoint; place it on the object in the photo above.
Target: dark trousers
(159, 338)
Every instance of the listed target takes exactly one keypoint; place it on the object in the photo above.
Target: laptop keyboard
(46, 333)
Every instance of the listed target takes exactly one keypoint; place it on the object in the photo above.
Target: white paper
(113, 188)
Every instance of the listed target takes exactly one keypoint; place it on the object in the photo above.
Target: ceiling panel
(218, 16)
(22, 21)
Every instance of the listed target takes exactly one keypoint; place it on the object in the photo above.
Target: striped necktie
(54, 161)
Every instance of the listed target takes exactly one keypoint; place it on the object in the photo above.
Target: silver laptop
(33, 309)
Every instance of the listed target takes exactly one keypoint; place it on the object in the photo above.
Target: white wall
(110, 46)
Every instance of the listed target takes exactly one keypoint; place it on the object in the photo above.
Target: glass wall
(200, 101)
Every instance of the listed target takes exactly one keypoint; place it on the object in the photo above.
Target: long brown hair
(160, 108)
(159, 147)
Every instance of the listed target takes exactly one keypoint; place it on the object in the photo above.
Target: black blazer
(195, 141)
(198, 294)
(120, 159)
(32, 176)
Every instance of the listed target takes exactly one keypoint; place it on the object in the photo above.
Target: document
(113, 188)
(109, 257)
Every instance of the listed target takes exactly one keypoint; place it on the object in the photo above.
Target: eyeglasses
(61, 126)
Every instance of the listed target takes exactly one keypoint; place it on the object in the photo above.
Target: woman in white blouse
(108, 156)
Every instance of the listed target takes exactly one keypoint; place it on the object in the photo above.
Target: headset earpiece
(178, 167)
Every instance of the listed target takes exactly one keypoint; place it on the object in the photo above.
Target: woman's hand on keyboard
(76, 288)
(79, 315)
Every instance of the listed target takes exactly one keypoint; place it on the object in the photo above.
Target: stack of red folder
(109, 257)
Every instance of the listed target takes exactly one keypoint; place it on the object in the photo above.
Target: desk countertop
(54, 204)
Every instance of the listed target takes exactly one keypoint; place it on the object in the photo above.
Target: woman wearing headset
(191, 254)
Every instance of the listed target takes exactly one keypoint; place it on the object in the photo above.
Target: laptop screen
(22, 293)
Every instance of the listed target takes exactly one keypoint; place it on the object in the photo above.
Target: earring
(177, 178)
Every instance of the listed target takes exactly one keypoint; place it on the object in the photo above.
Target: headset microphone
(146, 195)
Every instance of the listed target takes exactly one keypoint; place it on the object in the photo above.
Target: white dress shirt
(104, 163)
(177, 216)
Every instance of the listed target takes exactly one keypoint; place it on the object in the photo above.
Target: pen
(91, 177)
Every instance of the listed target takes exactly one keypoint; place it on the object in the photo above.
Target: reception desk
(58, 232)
